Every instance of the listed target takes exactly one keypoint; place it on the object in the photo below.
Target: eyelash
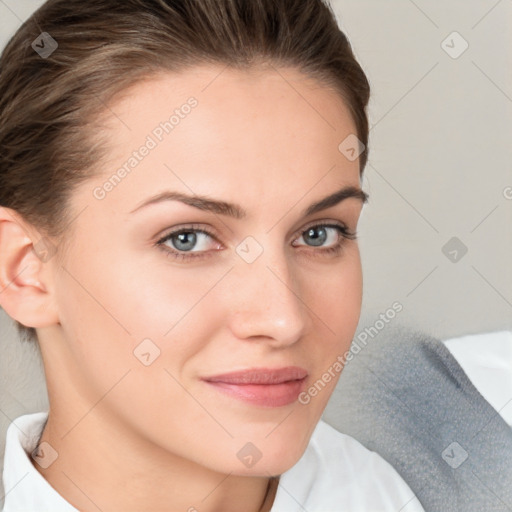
(184, 255)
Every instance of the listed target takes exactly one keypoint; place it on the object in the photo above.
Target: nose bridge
(266, 296)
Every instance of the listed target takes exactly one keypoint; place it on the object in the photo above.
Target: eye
(184, 240)
(318, 234)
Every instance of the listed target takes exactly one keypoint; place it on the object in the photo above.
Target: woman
(180, 191)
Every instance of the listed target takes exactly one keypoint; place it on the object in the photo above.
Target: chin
(266, 470)
(267, 459)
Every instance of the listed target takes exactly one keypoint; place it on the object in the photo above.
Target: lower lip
(266, 395)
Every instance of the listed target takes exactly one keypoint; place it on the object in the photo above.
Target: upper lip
(260, 376)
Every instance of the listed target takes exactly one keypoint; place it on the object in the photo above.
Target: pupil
(317, 240)
(182, 238)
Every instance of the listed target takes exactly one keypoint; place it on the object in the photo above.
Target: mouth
(262, 386)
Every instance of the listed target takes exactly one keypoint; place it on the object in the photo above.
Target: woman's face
(145, 317)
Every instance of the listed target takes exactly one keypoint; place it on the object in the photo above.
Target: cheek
(97, 334)
(338, 307)
(339, 300)
(130, 339)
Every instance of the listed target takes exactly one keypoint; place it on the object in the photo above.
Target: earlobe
(24, 272)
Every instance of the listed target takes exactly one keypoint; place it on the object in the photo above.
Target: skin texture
(135, 437)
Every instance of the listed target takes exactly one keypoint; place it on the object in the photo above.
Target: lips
(261, 376)
(262, 386)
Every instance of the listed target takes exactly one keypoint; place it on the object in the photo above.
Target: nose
(266, 301)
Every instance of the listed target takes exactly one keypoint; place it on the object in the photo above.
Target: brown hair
(47, 101)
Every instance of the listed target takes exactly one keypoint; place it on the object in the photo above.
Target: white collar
(24, 487)
(335, 469)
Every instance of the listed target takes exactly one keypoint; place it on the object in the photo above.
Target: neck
(102, 466)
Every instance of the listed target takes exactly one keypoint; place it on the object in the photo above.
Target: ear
(25, 272)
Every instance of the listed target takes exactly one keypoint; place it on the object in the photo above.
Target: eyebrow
(233, 210)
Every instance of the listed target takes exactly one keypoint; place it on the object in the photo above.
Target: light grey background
(440, 164)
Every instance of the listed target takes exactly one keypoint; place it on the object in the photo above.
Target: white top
(487, 361)
(335, 473)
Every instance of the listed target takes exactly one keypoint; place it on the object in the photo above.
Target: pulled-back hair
(47, 102)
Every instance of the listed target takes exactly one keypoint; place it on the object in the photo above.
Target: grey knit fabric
(406, 397)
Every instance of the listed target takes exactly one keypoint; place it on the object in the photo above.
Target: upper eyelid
(200, 229)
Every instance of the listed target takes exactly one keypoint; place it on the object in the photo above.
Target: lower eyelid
(342, 230)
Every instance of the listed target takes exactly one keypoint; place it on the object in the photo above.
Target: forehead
(212, 128)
